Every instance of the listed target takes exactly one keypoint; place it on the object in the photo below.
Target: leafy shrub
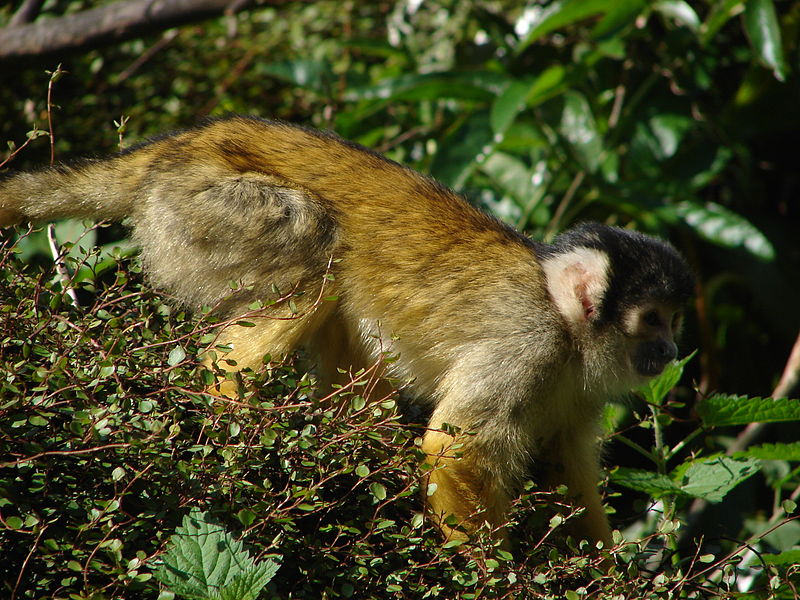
(111, 439)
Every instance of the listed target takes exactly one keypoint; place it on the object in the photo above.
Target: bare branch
(113, 22)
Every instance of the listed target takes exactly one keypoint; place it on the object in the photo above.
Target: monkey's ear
(577, 280)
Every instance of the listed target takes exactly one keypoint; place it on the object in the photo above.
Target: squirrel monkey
(516, 342)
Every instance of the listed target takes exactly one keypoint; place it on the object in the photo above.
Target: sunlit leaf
(724, 227)
(711, 478)
(578, 126)
(761, 24)
(679, 11)
(722, 410)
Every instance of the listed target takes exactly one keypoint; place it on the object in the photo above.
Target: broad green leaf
(458, 157)
(578, 126)
(508, 105)
(711, 478)
(203, 559)
(721, 410)
(761, 25)
(654, 484)
(679, 11)
(513, 176)
(655, 390)
(548, 84)
(789, 452)
(668, 130)
(561, 13)
(248, 584)
(724, 227)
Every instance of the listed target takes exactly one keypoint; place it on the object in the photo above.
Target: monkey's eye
(652, 318)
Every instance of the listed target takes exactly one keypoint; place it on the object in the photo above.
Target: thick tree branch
(113, 22)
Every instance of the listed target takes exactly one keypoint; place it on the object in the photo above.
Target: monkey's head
(622, 294)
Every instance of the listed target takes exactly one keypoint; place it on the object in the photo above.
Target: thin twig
(61, 268)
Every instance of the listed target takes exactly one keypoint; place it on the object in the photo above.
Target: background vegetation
(676, 119)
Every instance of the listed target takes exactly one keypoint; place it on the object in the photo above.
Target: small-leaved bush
(110, 435)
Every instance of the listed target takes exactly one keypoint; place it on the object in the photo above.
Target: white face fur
(577, 281)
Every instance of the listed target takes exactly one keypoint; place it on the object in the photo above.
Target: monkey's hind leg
(269, 334)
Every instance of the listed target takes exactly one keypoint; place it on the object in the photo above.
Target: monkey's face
(652, 330)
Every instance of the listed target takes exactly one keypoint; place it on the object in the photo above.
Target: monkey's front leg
(458, 485)
(573, 461)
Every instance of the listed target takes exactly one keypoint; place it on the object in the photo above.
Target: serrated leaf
(655, 390)
(248, 584)
(203, 559)
(763, 30)
(722, 410)
(789, 558)
(790, 452)
(655, 484)
(725, 228)
(711, 478)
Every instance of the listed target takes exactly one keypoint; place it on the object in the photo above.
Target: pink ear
(577, 281)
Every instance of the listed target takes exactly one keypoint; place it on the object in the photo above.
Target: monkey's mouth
(650, 369)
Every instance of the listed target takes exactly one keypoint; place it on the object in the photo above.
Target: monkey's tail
(92, 189)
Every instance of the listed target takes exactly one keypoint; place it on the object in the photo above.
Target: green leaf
(720, 13)
(458, 157)
(722, 410)
(788, 558)
(558, 14)
(679, 11)
(725, 228)
(619, 17)
(467, 85)
(578, 126)
(790, 452)
(656, 389)
(711, 478)
(176, 356)
(204, 561)
(248, 584)
(508, 105)
(521, 94)
(655, 484)
(378, 491)
(761, 25)
(306, 73)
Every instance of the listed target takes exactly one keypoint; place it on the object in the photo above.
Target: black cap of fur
(642, 267)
